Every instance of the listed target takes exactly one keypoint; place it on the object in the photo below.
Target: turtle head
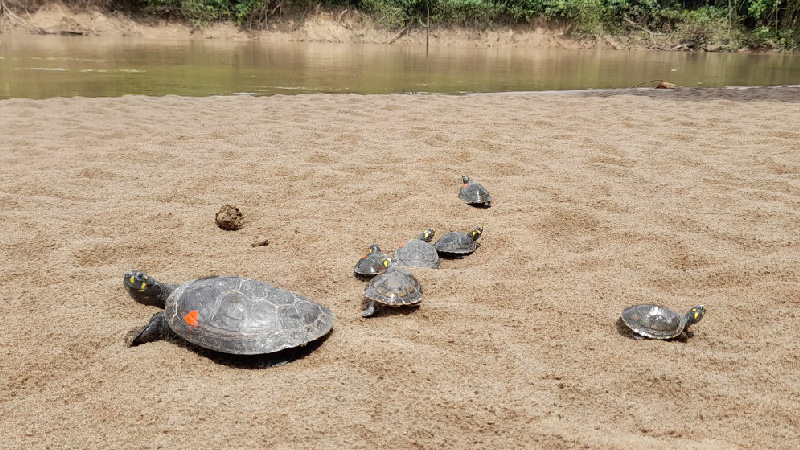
(387, 262)
(476, 233)
(145, 289)
(695, 315)
(374, 248)
(465, 179)
(427, 235)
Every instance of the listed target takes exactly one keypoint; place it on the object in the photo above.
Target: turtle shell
(370, 264)
(457, 243)
(395, 287)
(244, 316)
(474, 193)
(654, 321)
(417, 252)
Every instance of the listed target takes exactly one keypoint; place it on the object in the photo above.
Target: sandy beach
(601, 200)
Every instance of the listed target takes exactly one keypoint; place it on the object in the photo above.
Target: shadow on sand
(261, 361)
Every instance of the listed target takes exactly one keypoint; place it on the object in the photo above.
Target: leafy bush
(201, 11)
(756, 23)
(392, 14)
(767, 37)
(468, 12)
(195, 11)
(585, 14)
(702, 26)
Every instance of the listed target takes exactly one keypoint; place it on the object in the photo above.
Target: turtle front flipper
(158, 329)
(369, 310)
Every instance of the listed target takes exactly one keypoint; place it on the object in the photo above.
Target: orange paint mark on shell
(465, 185)
(191, 318)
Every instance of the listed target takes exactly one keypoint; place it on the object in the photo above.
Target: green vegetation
(695, 23)
(723, 24)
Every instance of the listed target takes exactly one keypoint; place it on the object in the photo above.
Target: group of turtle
(391, 284)
(243, 316)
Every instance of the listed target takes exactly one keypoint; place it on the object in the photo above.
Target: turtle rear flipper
(158, 329)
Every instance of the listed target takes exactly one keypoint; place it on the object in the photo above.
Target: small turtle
(371, 263)
(394, 287)
(458, 243)
(418, 252)
(228, 314)
(474, 193)
(659, 322)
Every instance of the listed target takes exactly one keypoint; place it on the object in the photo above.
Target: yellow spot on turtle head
(132, 280)
(696, 314)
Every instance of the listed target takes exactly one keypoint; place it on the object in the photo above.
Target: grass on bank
(693, 24)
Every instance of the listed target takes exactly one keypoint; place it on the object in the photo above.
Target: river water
(56, 66)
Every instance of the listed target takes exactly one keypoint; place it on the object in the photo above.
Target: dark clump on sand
(229, 218)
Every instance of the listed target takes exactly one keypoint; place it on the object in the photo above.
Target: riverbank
(600, 200)
(342, 26)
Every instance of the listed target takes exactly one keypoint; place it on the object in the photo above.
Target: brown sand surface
(601, 200)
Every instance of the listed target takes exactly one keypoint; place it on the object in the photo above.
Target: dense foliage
(697, 23)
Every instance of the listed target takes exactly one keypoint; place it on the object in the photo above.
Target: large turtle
(418, 252)
(659, 322)
(371, 263)
(228, 314)
(474, 193)
(394, 287)
(457, 243)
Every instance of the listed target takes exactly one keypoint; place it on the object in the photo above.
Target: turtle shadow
(479, 205)
(452, 256)
(361, 277)
(261, 361)
(625, 331)
(385, 310)
(458, 255)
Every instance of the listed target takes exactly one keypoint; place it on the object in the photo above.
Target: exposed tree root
(11, 19)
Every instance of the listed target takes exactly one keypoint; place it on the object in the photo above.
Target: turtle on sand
(458, 244)
(659, 322)
(474, 193)
(394, 287)
(371, 263)
(418, 252)
(234, 315)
